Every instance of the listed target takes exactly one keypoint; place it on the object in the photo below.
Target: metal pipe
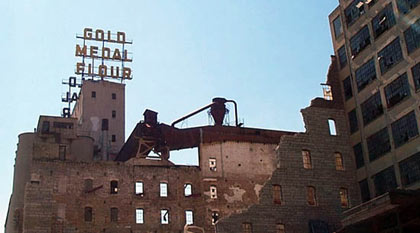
(236, 111)
(191, 114)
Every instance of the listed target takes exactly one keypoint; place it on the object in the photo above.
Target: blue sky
(269, 56)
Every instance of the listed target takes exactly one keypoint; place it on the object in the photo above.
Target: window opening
(404, 129)
(114, 215)
(212, 164)
(139, 216)
(372, 108)
(88, 214)
(416, 76)
(344, 198)
(338, 30)
(214, 217)
(247, 227)
(164, 216)
(353, 123)
(280, 228)
(88, 185)
(390, 55)
(410, 169)
(365, 74)
(359, 41)
(114, 187)
(307, 162)
(364, 190)
(358, 154)
(114, 96)
(412, 37)
(339, 164)
(397, 90)
(383, 21)
(62, 152)
(187, 190)
(163, 189)
(277, 194)
(385, 181)
(104, 124)
(405, 6)
(45, 127)
(93, 94)
(213, 192)
(311, 196)
(139, 188)
(114, 113)
(189, 217)
(348, 90)
(113, 138)
(378, 144)
(332, 127)
(342, 56)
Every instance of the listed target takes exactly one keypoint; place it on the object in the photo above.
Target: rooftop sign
(103, 55)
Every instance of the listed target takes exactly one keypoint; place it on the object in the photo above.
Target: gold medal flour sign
(104, 54)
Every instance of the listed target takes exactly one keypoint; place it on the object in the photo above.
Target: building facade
(377, 46)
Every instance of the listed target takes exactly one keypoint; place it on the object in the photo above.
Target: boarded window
(114, 187)
(139, 216)
(246, 227)
(139, 188)
(114, 215)
(62, 152)
(212, 164)
(277, 194)
(88, 214)
(307, 161)
(213, 192)
(163, 189)
(164, 216)
(187, 190)
(344, 198)
(88, 185)
(311, 196)
(189, 217)
(339, 164)
(280, 228)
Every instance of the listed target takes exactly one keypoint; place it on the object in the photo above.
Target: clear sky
(270, 56)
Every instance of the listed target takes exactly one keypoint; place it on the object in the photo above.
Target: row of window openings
(385, 180)
(403, 130)
(139, 215)
(311, 196)
(113, 95)
(307, 160)
(387, 57)
(395, 92)
(138, 188)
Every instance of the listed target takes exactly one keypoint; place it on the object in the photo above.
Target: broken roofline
(162, 135)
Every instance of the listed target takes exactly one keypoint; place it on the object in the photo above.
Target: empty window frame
(88, 185)
(338, 29)
(138, 188)
(280, 228)
(390, 55)
(88, 214)
(383, 21)
(339, 164)
(354, 126)
(62, 152)
(213, 191)
(416, 76)
(113, 138)
(344, 198)
(164, 216)
(365, 74)
(405, 6)
(277, 194)
(342, 56)
(404, 129)
(212, 164)
(397, 90)
(364, 190)
(114, 214)
(163, 189)
(358, 155)
(332, 127)
(189, 217)
(348, 90)
(412, 37)
(372, 108)
(307, 161)
(114, 96)
(114, 113)
(139, 216)
(359, 41)
(385, 181)
(114, 187)
(93, 94)
(311, 196)
(214, 217)
(410, 169)
(353, 11)
(378, 144)
(187, 190)
(246, 227)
